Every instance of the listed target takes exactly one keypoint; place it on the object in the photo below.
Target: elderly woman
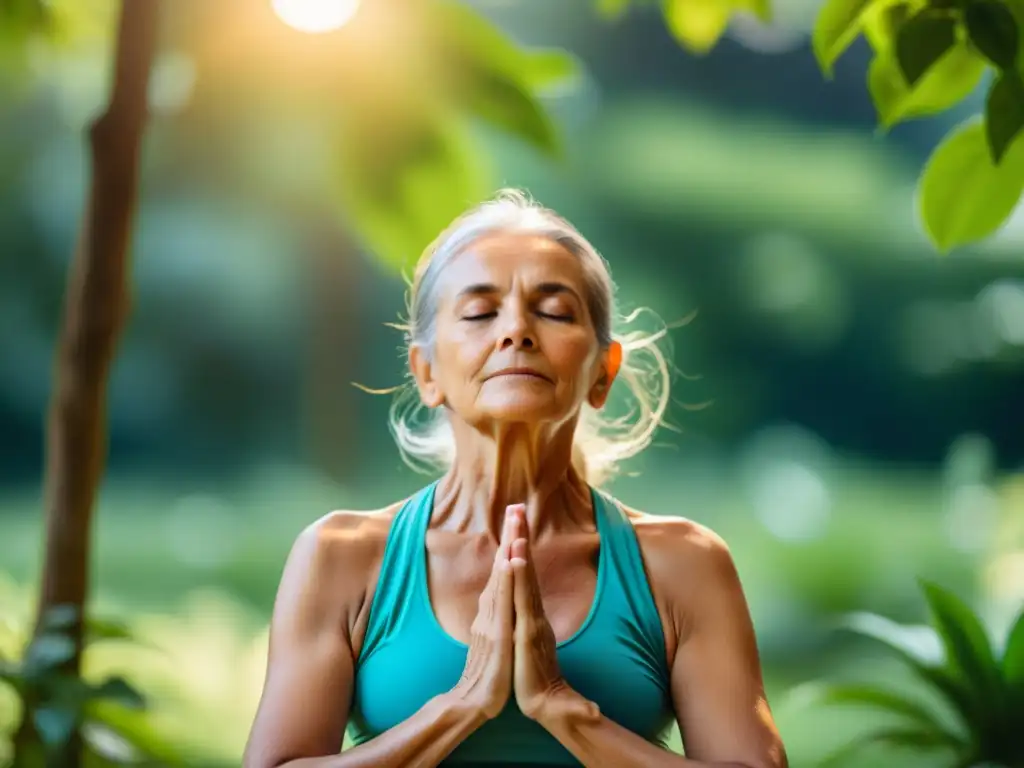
(510, 614)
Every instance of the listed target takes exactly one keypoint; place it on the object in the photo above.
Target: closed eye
(556, 317)
(481, 316)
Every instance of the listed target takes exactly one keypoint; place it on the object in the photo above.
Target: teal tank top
(616, 659)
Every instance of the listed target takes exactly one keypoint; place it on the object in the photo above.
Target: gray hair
(601, 443)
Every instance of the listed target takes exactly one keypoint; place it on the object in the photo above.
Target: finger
(506, 597)
(512, 518)
(503, 553)
(523, 601)
(527, 552)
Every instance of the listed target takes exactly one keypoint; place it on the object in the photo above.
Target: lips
(519, 371)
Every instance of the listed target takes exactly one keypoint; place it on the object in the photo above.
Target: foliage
(955, 661)
(929, 55)
(108, 713)
(400, 187)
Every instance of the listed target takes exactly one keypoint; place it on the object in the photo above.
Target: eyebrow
(548, 289)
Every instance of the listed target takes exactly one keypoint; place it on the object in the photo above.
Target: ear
(610, 366)
(419, 365)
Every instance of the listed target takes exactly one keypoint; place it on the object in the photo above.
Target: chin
(522, 409)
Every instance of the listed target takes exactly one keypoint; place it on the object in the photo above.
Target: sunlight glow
(315, 16)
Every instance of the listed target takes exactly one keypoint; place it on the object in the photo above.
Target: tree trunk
(96, 305)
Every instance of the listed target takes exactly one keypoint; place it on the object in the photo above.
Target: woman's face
(514, 341)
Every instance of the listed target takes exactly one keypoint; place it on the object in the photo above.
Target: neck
(515, 464)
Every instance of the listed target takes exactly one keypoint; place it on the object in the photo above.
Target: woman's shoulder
(677, 549)
(335, 558)
(346, 539)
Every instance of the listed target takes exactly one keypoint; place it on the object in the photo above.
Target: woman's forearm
(598, 742)
(422, 741)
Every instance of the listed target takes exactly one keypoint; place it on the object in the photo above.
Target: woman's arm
(304, 708)
(716, 681)
(598, 742)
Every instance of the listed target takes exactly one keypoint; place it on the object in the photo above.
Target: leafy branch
(929, 55)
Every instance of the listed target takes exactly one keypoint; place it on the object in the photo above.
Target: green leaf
(497, 80)
(107, 629)
(1013, 656)
(471, 37)
(611, 9)
(968, 648)
(889, 701)
(55, 726)
(697, 24)
(882, 21)
(547, 71)
(120, 690)
(951, 79)
(920, 649)
(1004, 113)
(904, 737)
(507, 105)
(25, 16)
(922, 41)
(762, 9)
(964, 196)
(400, 193)
(993, 30)
(135, 728)
(835, 27)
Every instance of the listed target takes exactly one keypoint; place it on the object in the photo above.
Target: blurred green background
(848, 410)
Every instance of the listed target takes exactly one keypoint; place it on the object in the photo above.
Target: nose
(517, 332)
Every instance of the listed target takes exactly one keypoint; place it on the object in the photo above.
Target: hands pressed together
(512, 645)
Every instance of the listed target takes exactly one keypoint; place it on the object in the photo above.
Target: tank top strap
(399, 569)
(629, 578)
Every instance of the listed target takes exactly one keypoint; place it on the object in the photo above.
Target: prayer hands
(536, 677)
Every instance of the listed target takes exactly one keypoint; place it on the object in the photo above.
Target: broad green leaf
(993, 30)
(883, 19)
(698, 24)
(1013, 657)
(921, 650)
(611, 9)
(504, 103)
(762, 9)
(21, 21)
(1004, 113)
(968, 647)
(964, 196)
(135, 728)
(949, 81)
(900, 737)
(107, 629)
(58, 23)
(120, 690)
(922, 41)
(400, 194)
(548, 70)
(469, 36)
(835, 27)
(889, 701)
